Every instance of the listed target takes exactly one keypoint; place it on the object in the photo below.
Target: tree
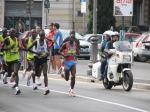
(105, 18)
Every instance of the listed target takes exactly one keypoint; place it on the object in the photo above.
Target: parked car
(134, 29)
(145, 49)
(100, 38)
(137, 46)
(131, 36)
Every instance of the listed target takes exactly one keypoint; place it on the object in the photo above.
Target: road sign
(123, 8)
(29, 6)
(122, 34)
(47, 4)
(83, 6)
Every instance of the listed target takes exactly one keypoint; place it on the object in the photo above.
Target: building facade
(63, 12)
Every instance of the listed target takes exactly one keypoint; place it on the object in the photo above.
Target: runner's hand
(12, 47)
(39, 53)
(47, 53)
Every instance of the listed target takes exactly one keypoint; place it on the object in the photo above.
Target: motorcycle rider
(115, 37)
(101, 52)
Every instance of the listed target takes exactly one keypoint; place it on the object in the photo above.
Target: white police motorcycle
(119, 66)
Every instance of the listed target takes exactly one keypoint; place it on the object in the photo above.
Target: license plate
(84, 50)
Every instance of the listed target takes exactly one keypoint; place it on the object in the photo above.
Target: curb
(93, 80)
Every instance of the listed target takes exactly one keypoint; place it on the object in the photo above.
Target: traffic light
(29, 6)
(46, 4)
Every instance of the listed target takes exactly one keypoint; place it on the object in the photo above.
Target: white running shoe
(29, 76)
(71, 93)
(53, 71)
(38, 82)
(24, 74)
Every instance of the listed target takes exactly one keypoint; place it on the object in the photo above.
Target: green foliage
(105, 18)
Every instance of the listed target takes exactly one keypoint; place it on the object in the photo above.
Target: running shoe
(62, 75)
(71, 93)
(14, 86)
(53, 72)
(5, 79)
(24, 74)
(38, 82)
(28, 82)
(17, 92)
(47, 92)
(35, 88)
(29, 76)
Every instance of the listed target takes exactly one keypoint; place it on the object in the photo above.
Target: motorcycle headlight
(126, 58)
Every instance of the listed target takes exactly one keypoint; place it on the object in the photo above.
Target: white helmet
(115, 33)
(108, 32)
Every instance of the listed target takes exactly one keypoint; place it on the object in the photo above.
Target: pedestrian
(3, 65)
(50, 37)
(58, 39)
(38, 28)
(11, 46)
(69, 50)
(40, 57)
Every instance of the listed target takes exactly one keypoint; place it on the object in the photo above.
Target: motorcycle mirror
(112, 51)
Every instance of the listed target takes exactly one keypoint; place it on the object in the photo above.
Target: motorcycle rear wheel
(107, 85)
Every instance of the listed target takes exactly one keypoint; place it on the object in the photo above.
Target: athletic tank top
(13, 54)
(42, 49)
(70, 51)
(29, 54)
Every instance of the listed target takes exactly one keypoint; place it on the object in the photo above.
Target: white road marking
(94, 99)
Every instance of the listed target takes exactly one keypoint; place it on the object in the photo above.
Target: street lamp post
(73, 22)
(47, 6)
(94, 40)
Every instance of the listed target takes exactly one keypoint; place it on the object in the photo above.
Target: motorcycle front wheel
(127, 81)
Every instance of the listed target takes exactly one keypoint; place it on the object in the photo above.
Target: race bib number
(43, 53)
(71, 51)
(14, 51)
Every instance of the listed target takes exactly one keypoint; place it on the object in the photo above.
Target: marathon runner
(11, 46)
(3, 66)
(69, 50)
(40, 57)
(30, 59)
(72, 32)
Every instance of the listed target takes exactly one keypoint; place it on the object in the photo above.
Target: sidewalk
(138, 83)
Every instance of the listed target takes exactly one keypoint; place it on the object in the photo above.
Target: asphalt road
(89, 98)
(140, 70)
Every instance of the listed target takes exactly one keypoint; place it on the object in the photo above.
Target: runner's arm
(6, 42)
(24, 42)
(34, 44)
(78, 45)
(48, 49)
(63, 47)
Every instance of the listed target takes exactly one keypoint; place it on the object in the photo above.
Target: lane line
(94, 99)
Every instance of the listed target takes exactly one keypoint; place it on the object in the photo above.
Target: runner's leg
(44, 68)
(16, 68)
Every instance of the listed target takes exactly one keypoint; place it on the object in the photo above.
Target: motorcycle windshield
(122, 46)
